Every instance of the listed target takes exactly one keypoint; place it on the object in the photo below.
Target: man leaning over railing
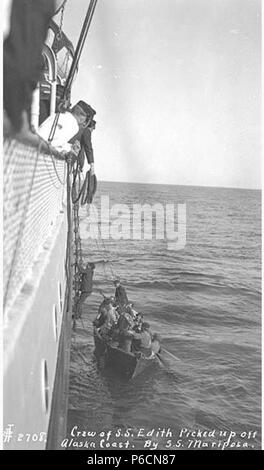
(64, 134)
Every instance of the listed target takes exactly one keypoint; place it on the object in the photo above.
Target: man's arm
(136, 335)
(86, 144)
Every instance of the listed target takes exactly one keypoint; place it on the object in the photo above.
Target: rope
(104, 267)
(113, 273)
(79, 48)
(76, 58)
(81, 190)
(78, 247)
(64, 66)
(51, 174)
(53, 162)
(78, 244)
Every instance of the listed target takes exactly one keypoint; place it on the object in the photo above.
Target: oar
(160, 359)
(170, 354)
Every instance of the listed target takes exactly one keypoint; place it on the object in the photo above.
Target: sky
(177, 89)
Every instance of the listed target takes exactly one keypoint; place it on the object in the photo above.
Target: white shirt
(67, 127)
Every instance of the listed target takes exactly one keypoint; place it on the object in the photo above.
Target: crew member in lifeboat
(121, 298)
(142, 341)
(106, 321)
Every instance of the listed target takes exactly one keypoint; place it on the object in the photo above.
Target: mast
(79, 48)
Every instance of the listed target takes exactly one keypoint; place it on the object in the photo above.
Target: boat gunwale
(139, 360)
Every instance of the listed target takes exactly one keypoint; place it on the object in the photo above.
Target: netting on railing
(33, 192)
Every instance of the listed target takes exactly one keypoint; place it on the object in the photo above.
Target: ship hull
(37, 333)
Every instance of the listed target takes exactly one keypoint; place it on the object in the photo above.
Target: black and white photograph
(131, 235)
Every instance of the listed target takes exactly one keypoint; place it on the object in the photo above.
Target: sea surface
(205, 302)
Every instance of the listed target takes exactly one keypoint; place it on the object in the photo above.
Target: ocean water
(205, 302)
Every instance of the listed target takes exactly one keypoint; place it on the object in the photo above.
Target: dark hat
(86, 108)
(116, 281)
(90, 265)
(92, 124)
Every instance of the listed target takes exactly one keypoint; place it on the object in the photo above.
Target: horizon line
(184, 185)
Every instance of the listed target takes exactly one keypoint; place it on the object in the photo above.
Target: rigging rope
(78, 243)
(75, 62)
(68, 259)
(109, 263)
(75, 200)
(79, 48)
(62, 183)
(77, 239)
